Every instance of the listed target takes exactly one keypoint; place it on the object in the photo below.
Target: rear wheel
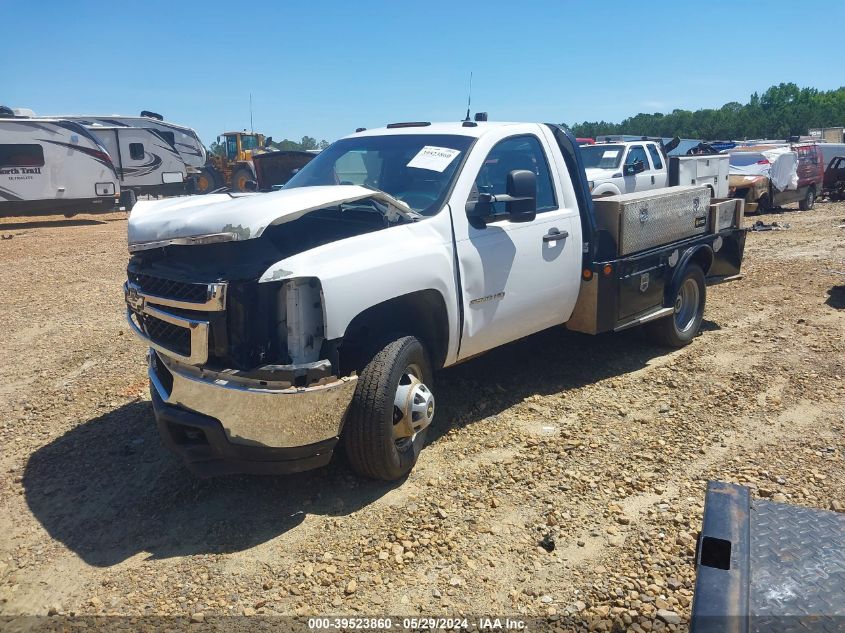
(809, 200)
(205, 181)
(391, 411)
(240, 178)
(763, 205)
(679, 329)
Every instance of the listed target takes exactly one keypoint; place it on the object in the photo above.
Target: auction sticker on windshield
(611, 153)
(434, 158)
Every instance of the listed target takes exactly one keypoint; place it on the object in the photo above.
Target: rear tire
(763, 205)
(809, 200)
(391, 411)
(683, 326)
(240, 178)
(205, 181)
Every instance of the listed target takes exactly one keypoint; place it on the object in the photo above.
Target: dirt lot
(601, 444)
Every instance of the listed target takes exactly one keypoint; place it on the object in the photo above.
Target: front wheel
(680, 328)
(391, 411)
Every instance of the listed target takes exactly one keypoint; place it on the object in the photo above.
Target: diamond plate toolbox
(642, 220)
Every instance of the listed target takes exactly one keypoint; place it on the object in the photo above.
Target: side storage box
(711, 170)
(642, 220)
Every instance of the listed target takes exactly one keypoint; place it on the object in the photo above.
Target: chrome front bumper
(255, 413)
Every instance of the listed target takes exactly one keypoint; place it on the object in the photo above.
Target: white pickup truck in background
(620, 167)
(281, 325)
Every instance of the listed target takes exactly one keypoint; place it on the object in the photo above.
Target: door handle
(555, 236)
(652, 180)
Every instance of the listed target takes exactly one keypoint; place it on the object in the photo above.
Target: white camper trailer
(182, 138)
(146, 163)
(52, 166)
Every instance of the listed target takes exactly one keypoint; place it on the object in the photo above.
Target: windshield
(743, 159)
(602, 156)
(418, 169)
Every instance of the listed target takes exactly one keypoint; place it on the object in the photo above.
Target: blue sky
(325, 68)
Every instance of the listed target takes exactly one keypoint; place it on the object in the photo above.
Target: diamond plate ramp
(797, 568)
(768, 567)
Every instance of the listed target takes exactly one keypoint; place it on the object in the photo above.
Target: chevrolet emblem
(133, 297)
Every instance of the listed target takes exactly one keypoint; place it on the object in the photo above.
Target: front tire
(683, 326)
(391, 411)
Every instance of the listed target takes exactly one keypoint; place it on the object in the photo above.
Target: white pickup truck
(285, 323)
(619, 167)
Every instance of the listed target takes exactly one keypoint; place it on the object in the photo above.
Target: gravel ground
(599, 445)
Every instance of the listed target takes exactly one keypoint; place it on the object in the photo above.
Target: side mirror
(520, 201)
(634, 168)
(522, 191)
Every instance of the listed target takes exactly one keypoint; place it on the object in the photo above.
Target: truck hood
(232, 217)
(597, 174)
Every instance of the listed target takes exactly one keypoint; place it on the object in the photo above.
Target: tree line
(780, 112)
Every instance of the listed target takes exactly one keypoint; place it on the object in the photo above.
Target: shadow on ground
(108, 490)
(49, 224)
(836, 297)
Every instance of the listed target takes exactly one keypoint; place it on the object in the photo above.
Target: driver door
(517, 277)
(637, 181)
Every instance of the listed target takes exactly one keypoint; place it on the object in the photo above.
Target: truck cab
(619, 167)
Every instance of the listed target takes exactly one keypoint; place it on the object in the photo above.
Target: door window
(519, 152)
(637, 155)
(655, 157)
(136, 151)
(231, 147)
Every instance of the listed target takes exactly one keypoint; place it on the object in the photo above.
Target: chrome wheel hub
(413, 406)
(686, 305)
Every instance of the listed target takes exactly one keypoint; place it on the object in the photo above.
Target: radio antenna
(469, 96)
(251, 126)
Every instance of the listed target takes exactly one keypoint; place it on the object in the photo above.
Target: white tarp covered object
(781, 168)
(784, 168)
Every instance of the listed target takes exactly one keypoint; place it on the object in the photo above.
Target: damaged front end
(242, 376)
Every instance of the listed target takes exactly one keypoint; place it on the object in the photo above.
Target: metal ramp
(765, 567)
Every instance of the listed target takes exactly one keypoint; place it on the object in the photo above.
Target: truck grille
(178, 290)
(173, 337)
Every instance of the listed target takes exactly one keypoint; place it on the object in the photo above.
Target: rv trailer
(146, 163)
(51, 166)
(183, 139)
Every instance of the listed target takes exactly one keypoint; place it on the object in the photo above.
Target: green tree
(781, 111)
(217, 149)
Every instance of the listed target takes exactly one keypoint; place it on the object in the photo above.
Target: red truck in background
(771, 175)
